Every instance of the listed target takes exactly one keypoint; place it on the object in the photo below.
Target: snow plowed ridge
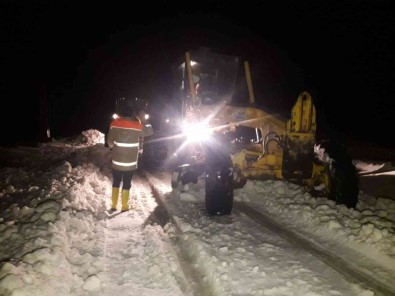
(224, 249)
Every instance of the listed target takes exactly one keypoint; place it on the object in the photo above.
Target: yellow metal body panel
(256, 165)
(320, 177)
(249, 82)
(251, 159)
(303, 116)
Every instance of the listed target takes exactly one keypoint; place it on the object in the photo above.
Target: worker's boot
(125, 200)
(115, 194)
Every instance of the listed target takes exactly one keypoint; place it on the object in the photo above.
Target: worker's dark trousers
(124, 177)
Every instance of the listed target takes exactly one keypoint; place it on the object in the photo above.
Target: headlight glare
(196, 132)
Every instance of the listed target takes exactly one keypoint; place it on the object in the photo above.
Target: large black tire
(219, 191)
(219, 176)
(342, 174)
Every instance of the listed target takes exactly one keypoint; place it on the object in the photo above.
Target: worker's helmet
(128, 107)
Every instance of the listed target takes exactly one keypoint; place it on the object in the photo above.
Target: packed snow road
(283, 262)
(132, 265)
(344, 265)
(57, 239)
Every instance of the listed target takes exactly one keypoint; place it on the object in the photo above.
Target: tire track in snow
(196, 284)
(352, 273)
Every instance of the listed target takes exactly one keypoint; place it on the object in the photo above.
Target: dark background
(84, 55)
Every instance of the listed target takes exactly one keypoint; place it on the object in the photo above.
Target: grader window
(248, 135)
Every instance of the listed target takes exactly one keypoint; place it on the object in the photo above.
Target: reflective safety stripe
(126, 144)
(127, 128)
(124, 163)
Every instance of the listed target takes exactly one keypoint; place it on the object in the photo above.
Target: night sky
(86, 55)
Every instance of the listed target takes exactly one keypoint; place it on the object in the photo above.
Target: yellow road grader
(228, 142)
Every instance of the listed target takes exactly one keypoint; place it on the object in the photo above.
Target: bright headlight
(196, 132)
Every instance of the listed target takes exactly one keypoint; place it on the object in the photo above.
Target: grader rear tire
(219, 192)
(341, 173)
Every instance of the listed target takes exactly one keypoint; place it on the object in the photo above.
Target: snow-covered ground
(57, 239)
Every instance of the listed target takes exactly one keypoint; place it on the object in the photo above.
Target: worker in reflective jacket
(123, 138)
